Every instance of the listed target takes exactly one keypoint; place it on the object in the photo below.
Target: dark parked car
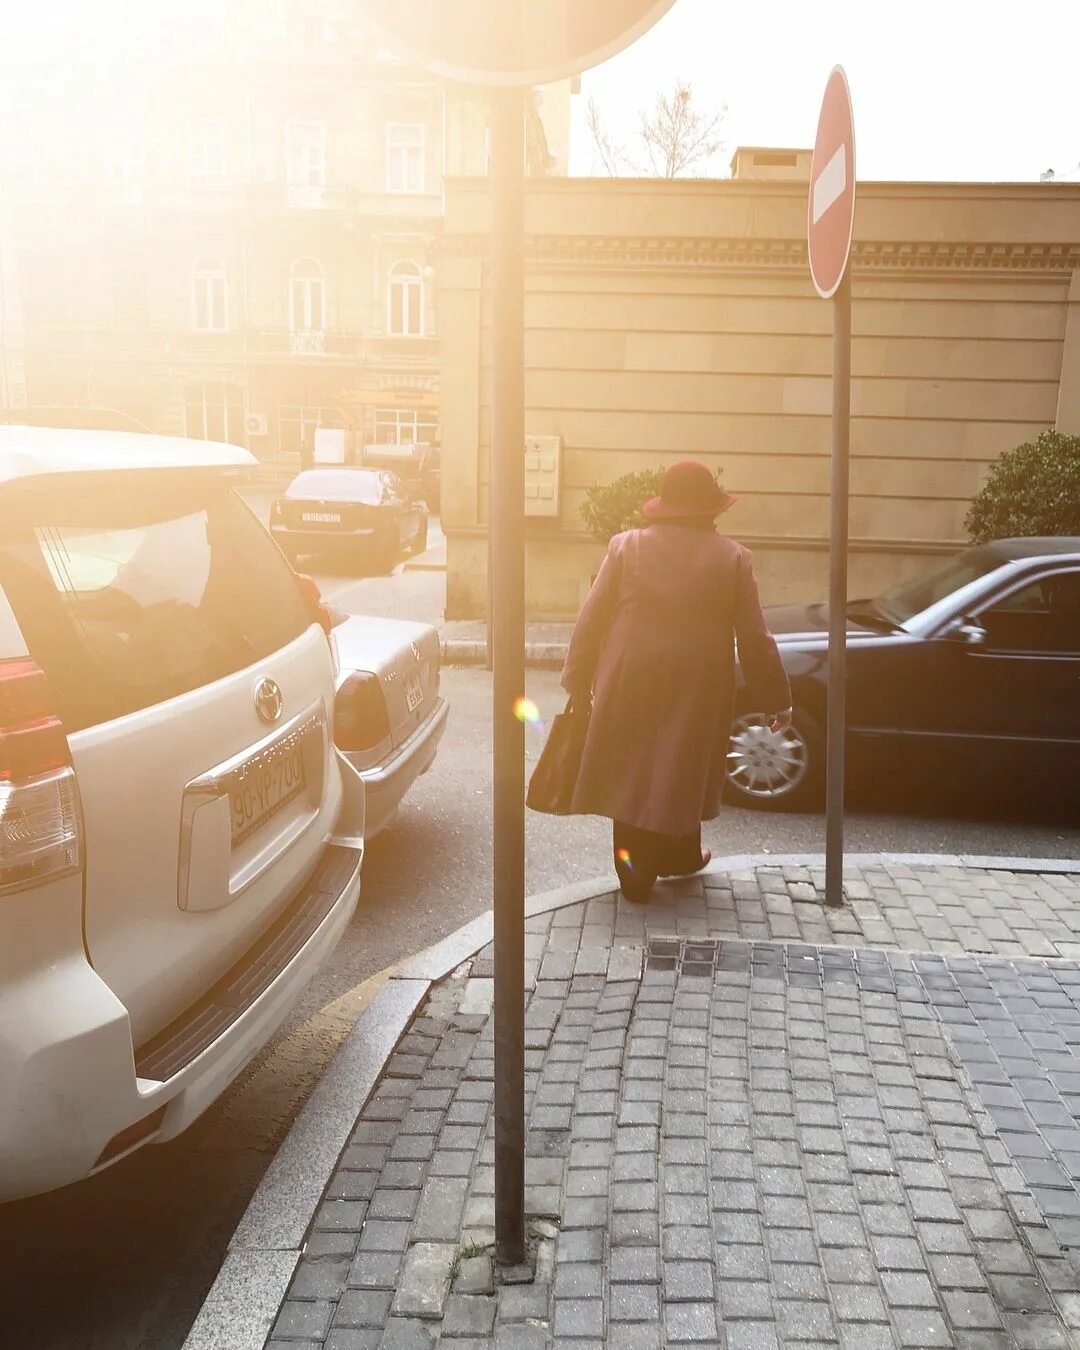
(366, 514)
(971, 669)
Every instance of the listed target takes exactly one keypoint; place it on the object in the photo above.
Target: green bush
(1032, 490)
(610, 508)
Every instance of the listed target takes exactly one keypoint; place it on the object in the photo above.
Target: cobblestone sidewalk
(753, 1123)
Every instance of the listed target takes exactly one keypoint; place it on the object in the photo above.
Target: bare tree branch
(677, 136)
(612, 156)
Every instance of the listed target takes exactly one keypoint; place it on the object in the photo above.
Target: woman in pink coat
(654, 648)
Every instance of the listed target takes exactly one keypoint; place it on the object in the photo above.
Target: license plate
(263, 786)
(321, 517)
(414, 692)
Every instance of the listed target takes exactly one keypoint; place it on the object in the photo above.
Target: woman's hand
(780, 721)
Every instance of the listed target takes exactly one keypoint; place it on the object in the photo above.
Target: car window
(336, 485)
(128, 594)
(929, 588)
(1043, 616)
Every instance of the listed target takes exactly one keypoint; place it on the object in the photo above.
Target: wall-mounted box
(543, 466)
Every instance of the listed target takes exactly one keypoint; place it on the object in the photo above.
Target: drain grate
(796, 964)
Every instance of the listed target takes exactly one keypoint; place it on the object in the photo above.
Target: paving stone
(634, 1336)
(467, 1315)
(584, 1245)
(363, 1308)
(690, 1322)
(524, 1302)
(579, 1280)
(425, 1279)
(634, 1303)
(303, 1319)
(578, 1317)
(322, 1278)
(406, 1333)
(375, 1270)
(475, 1275)
(439, 1214)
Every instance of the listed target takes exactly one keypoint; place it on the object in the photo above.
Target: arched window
(208, 296)
(405, 301)
(307, 309)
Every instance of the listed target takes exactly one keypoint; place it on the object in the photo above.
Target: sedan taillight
(360, 718)
(40, 820)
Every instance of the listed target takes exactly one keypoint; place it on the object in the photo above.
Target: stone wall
(667, 320)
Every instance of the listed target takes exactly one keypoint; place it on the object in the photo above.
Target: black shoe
(706, 859)
(635, 886)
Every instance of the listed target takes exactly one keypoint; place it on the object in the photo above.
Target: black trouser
(642, 855)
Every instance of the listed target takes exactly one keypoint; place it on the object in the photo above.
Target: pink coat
(656, 641)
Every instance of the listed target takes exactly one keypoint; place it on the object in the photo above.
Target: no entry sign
(830, 215)
(512, 42)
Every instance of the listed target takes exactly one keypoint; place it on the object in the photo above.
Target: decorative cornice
(618, 251)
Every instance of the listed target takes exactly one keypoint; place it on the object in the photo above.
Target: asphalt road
(123, 1262)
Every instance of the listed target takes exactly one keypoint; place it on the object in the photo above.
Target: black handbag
(551, 788)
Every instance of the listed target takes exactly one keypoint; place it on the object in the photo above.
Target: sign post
(509, 45)
(507, 590)
(829, 225)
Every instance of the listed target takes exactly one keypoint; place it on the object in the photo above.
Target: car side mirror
(967, 632)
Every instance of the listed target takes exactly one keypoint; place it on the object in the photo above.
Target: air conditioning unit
(255, 424)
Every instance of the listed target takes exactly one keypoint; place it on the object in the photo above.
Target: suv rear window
(136, 590)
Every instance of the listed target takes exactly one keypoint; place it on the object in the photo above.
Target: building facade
(232, 232)
(675, 319)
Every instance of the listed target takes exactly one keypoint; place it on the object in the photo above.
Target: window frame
(404, 149)
(308, 280)
(1022, 584)
(215, 394)
(208, 274)
(293, 144)
(406, 281)
(212, 155)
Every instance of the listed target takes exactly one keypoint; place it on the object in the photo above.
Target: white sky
(942, 89)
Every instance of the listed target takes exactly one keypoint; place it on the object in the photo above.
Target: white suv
(180, 842)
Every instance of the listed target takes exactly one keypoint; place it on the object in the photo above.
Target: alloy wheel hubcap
(765, 763)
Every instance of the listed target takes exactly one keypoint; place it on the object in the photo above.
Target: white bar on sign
(830, 184)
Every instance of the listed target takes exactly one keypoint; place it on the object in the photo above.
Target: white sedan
(389, 717)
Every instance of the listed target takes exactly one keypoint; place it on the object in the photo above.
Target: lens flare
(526, 711)
(623, 855)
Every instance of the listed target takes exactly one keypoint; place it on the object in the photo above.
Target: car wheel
(419, 544)
(776, 770)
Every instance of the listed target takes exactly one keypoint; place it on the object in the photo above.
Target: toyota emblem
(268, 700)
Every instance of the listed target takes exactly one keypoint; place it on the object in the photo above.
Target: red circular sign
(830, 212)
(511, 42)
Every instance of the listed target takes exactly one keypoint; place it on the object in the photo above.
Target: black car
(970, 669)
(364, 514)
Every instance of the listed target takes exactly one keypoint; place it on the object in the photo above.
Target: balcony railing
(307, 342)
(306, 196)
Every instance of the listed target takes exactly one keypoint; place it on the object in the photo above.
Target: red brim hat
(658, 509)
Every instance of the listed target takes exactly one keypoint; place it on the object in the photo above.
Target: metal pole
(507, 532)
(838, 572)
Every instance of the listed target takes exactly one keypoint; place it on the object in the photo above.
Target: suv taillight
(40, 827)
(360, 718)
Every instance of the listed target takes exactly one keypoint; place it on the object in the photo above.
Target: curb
(239, 1311)
(473, 652)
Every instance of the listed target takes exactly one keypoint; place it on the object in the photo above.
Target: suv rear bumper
(75, 1082)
